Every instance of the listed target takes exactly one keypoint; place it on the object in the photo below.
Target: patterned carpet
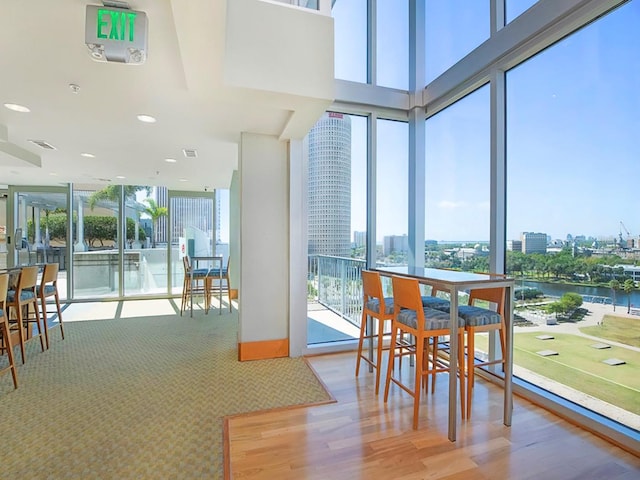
(137, 398)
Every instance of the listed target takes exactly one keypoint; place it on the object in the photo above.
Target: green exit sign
(116, 24)
(116, 34)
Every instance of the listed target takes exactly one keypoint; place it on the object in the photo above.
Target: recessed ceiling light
(120, 176)
(146, 118)
(87, 155)
(170, 160)
(17, 108)
(53, 174)
(183, 180)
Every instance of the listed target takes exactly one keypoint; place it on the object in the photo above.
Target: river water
(597, 294)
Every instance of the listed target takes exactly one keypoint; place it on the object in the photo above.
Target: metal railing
(336, 283)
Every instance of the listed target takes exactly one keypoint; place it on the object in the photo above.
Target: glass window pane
(572, 152)
(515, 8)
(145, 256)
(393, 43)
(350, 37)
(457, 185)
(453, 29)
(96, 266)
(392, 209)
(337, 226)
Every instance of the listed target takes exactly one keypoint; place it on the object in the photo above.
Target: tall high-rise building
(186, 212)
(330, 185)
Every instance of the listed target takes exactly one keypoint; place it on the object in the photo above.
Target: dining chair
(480, 319)
(411, 328)
(5, 331)
(379, 308)
(194, 283)
(48, 287)
(20, 298)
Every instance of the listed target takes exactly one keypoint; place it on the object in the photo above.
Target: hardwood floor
(359, 436)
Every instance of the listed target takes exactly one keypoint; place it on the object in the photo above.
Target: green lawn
(580, 366)
(619, 329)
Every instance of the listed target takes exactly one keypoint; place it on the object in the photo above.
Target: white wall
(264, 239)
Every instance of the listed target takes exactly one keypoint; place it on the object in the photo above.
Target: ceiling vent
(190, 153)
(43, 144)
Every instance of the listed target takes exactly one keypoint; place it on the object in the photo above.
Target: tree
(111, 193)
(615, 285)
(628, 287)
(155, 212)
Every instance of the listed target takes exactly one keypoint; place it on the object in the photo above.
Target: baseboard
(263, 350)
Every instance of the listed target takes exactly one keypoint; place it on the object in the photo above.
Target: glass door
(35, 229)
(191, 231)
(96, 256)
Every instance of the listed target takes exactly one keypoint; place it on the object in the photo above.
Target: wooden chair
(20, 298)
(412, 327)
(196, 287)
(49, 288)
(5, 332)
(379, 308)
(479, 319)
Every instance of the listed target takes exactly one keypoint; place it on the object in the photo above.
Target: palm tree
(628, 287)
(155, 212)
(111, 193)
(615, 285)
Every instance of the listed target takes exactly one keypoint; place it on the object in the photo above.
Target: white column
(80, 246)
(264, 240)
(37, 238)
(298, 250)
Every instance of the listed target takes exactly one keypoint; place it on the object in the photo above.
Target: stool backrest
(50, 274)
(372, 287)
(406, 294)
(28, 278)
(491, 295)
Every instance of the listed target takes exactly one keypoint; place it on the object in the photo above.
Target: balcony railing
(336, 282)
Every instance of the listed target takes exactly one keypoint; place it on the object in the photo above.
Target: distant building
(395, 244)
(359, 239)
(329, 207)
(514, 245)
(533, 242)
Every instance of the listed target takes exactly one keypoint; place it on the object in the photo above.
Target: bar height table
(454, 282)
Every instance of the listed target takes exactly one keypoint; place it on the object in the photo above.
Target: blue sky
(573, 127)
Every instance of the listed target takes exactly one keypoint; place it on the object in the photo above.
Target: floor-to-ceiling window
(457, 188)
(337, 228)
(512, 155)
(572, 225)
(392, 195)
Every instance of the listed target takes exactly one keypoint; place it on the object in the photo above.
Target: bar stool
(411, 328)
(377, 307)
(49, 288)
(199, 286)
(21, 298)
(479, 319)
(5, 332)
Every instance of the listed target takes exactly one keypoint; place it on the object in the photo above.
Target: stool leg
(6, 333)
(59, 313)
(18, 313)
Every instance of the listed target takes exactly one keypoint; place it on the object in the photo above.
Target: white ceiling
(42, 52)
